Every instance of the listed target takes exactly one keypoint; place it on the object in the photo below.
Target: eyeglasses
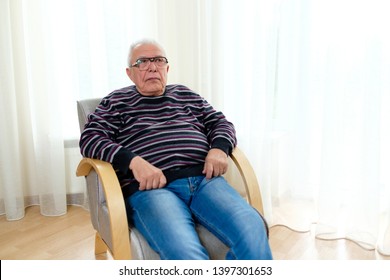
(144, 62)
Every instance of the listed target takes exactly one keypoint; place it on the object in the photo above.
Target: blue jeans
(166, 218)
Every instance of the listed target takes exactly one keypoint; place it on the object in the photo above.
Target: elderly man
(169, 148)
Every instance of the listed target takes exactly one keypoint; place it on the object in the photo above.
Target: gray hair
(142, 42)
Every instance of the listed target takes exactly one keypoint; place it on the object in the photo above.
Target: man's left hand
(216, 163)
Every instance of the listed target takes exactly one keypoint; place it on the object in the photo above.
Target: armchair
(108, 211)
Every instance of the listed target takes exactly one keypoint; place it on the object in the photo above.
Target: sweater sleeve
(220, 132)
(98, 137)
(223, 145)
(122, 160)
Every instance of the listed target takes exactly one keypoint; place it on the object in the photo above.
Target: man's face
(152, 81)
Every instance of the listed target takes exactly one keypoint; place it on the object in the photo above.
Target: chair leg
(100, 246)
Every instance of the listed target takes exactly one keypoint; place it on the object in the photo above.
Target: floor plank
(287, 244)
(71, 237)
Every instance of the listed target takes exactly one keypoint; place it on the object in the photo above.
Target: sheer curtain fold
(330, 101)
(305, 82)
(32, 142)
(11, 179)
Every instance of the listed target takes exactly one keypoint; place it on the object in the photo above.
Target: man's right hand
(148, 176)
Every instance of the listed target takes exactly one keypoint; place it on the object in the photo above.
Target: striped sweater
(173, 132)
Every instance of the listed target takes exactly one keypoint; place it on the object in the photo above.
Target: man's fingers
(163, 182)
(208, 170)
(148, 176)
(152, 183)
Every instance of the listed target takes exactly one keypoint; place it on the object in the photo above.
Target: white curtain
(32, 149)
(330, 144)
(305, 82)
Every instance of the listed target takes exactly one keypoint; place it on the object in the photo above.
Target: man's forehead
(145, 50)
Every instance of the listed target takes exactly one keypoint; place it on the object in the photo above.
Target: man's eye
(140, 61)
(159, 59)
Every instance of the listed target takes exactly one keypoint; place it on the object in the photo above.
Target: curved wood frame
(116, 208)
(248, 176)
(121, 248)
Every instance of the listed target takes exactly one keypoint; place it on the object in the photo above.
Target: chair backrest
(84, 108)
(96, 198)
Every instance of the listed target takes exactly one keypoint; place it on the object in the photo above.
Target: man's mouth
(152, 79)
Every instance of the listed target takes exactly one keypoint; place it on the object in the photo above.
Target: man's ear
(129, 73)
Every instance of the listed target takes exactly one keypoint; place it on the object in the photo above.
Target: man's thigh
(166, 223)
(221, 209)
(158, 210)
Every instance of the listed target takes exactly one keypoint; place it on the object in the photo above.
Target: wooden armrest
(115, 204)
(249, 178)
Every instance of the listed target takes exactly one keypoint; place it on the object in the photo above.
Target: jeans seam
(214, 230)
(148, 232)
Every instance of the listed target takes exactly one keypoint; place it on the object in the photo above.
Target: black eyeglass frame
(150, 59)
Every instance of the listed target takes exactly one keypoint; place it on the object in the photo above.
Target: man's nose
(152, 67)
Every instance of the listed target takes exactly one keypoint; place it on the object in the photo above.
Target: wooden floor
(71, 237)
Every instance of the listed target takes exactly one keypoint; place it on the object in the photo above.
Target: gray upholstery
(98, 209)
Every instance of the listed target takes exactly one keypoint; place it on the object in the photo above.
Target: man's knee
(184, 250)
